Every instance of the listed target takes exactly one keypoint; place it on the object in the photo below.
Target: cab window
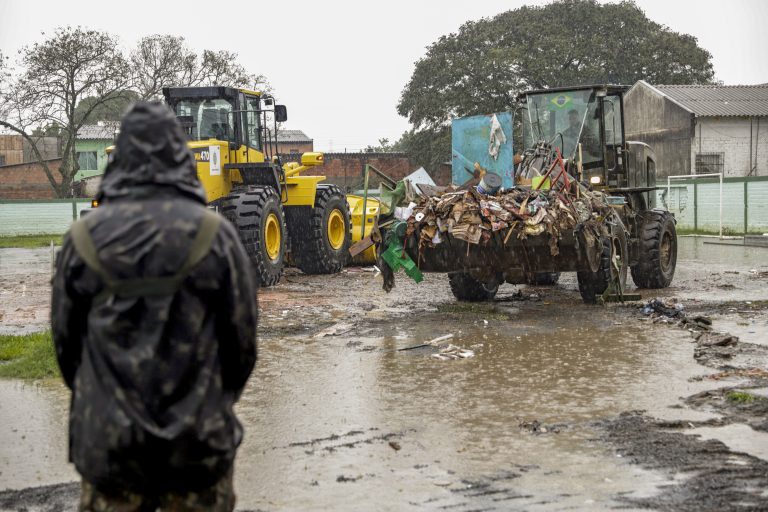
(252, 121)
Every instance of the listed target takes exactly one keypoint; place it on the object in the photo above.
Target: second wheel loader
(275, 209)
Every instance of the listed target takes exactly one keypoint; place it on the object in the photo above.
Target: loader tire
(544, 279)
(320, 236)
(468, 289)
(593, 284)
(657, 255)
(258, 216)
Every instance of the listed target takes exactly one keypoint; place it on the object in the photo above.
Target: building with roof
(293, 142)
(90, 146)
(701, 129)
(15, 149)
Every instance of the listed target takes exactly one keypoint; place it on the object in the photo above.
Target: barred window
(87, 160)
(707, 163)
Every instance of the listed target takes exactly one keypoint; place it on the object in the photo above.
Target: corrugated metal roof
(101, 131)
(292, 136)
(720, 100)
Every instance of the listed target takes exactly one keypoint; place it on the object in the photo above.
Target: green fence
(696, 204)
(37, 217)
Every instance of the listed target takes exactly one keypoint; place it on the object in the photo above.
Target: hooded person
(154, 322)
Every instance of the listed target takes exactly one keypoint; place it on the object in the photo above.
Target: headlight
(595, 180)
(94, 203)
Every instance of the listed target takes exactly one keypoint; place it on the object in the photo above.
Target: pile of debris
(475, 217)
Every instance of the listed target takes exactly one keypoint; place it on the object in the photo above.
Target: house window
(2, 159)
(87, 160)
(708, 163)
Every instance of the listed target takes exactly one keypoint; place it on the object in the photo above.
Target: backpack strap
(81, 238)
(146, 286)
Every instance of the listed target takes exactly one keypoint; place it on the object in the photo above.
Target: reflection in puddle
(346, 420)
(33, 429)
(737, 437)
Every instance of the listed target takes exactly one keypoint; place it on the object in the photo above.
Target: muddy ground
(562, 407)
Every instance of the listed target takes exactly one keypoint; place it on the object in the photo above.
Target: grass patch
(29, 356)
(29, 241)
(741, 397)
(715, 232)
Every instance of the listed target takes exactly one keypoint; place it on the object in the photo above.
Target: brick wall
(347, 169)
(27, 181)
(731, 137)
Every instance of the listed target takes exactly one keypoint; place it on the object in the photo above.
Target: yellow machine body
(213, 158)
(372, 205)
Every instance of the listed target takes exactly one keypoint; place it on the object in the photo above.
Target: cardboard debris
(474, 217)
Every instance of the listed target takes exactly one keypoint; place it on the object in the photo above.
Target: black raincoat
(154, 378)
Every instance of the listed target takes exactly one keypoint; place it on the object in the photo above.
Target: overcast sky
(340, 66)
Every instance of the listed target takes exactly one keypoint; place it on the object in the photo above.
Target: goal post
(709, 175)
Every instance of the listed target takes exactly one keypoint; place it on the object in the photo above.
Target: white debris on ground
(449, 351)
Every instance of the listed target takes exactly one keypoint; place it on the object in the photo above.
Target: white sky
(340, 66)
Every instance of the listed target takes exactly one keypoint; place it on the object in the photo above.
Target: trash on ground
(453, 352)
(668, 308)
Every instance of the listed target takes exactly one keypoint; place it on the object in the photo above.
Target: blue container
(470, 139)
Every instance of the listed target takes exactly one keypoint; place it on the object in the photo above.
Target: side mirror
(281, 113)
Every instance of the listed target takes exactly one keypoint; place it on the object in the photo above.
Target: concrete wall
(295, 147)
(38, 217)
(662, 124)
(27, 181)
(696, 204)
(731, 136)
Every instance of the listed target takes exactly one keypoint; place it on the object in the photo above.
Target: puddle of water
(697, 250)
(738, 437)
(33, 430)
(748, 329)
(564, 363)
(410, 430)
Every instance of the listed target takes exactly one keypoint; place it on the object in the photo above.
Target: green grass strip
(28, 356)
(741, 397)
(29, 241)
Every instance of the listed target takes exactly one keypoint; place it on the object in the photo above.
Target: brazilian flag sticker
(561, 101)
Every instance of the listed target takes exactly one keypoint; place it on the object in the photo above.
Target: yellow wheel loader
(274, 208)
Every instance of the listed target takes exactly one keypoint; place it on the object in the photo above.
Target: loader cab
(238, 117)
(584, 124)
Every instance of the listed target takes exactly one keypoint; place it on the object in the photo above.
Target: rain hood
(151, 157)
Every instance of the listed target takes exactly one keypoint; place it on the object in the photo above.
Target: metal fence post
(746, 207)
(695, 207)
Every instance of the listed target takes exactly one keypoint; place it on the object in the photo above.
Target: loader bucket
(361, 227)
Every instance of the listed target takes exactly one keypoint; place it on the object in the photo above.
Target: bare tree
(72, 64)
(165, 60)
(221, 68)
(161, 61)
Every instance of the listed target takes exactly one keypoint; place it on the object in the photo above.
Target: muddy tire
(593, 284)
(258, 216)
(320, 235)
(657, 254)
(468, 289)
(544, 279)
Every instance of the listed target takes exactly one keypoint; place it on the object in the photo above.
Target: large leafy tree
(72, 64)
(482, 67)
(112, 110)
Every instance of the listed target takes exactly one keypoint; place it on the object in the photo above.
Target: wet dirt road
(540, 418)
